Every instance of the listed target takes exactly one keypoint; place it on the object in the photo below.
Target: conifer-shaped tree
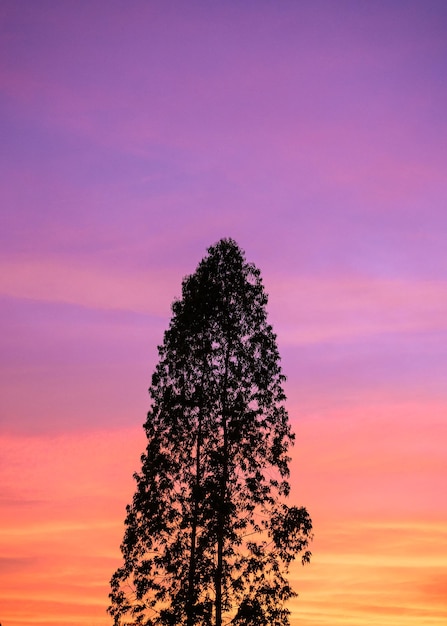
(208, 536)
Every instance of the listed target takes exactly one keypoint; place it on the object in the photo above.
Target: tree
(208, 536)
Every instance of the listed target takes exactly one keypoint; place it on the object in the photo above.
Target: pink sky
(134, 136)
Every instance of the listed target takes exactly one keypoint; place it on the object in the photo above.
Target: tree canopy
(209, 537)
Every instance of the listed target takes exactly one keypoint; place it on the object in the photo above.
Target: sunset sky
(135, 134)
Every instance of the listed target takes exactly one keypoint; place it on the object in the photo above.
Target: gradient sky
(136, 134)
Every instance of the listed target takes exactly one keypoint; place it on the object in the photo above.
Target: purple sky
(134, 137)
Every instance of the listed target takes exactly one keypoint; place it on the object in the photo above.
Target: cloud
(89, 286)
(312, 310)
(60, 555)
(306, 309)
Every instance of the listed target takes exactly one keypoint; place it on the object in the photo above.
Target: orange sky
(375, 493)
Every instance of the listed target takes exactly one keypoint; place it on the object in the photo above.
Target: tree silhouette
(208, 536)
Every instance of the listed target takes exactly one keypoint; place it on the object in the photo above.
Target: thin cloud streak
(312, 309)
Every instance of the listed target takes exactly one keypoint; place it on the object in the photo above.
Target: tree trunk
(222, 514)
(192, 591)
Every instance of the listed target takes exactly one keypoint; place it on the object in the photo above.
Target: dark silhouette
(208, 533)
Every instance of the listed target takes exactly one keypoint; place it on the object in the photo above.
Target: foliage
(208, 537)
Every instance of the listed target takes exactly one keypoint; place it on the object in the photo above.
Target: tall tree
(208, 536)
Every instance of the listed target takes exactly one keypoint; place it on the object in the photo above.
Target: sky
(135, 135)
